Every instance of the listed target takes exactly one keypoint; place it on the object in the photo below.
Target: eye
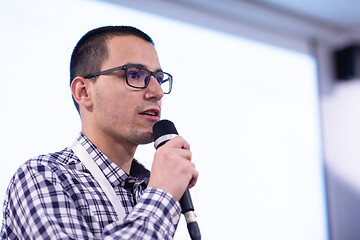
(135, 73)
(160, 77)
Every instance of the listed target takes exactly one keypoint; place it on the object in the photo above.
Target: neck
(119, 152)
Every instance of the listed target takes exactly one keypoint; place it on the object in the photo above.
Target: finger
(167, 152)
(178, 142)
(194, 179)
(184, 153)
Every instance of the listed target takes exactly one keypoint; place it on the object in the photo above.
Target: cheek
(104, 103)
(160, 102)
(101, 106)
(114, 106)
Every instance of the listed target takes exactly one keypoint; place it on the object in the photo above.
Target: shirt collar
(112, 172)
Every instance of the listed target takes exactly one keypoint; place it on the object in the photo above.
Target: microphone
(163, 131)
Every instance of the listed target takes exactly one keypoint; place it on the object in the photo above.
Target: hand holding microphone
(173, 171)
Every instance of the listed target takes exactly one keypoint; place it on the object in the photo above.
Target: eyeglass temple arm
(104, 72)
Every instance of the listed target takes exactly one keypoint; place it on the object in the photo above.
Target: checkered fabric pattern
(54, 196)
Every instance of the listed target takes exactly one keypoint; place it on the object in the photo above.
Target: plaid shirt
(55, 197)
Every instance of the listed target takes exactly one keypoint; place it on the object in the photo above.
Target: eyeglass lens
(140, 77)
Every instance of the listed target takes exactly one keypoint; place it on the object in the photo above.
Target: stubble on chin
(139, 138)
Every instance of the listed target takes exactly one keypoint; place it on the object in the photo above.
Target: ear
(81, 92)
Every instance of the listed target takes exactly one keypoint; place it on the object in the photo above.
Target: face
(120, 112)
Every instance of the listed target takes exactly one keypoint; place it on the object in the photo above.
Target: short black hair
(91, 50)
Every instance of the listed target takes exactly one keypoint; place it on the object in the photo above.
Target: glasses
(139, 77)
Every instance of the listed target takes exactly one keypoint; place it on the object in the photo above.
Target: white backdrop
(249, 111)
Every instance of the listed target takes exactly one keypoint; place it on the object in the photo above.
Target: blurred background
(267, 92)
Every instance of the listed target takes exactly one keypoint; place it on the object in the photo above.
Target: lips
(152, 113)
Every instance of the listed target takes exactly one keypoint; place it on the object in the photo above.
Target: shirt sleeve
(154, 217)
(37, 206)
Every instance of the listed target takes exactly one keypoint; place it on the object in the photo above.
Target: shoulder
(52, 166)
(43, 183)
(44, 176)
(61, 158)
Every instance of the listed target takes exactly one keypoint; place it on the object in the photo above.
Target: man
(117, 86)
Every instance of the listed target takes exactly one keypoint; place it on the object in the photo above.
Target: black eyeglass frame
(126, 67)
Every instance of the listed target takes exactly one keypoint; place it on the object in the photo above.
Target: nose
(154, 90)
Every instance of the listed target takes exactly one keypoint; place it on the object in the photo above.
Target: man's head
(91, 50)
(110, 106)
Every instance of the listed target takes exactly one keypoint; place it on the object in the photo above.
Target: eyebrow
(143, 66)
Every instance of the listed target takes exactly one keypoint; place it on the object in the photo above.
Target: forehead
(131, 49)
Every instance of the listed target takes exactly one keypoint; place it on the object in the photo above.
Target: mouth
(153, 113)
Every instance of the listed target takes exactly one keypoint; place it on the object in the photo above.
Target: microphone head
(163, 128)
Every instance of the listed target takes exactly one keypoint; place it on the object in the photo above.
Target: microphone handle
(187, 208)
(165, 130)
(190, 216)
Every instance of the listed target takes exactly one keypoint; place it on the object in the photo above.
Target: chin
(145, 138)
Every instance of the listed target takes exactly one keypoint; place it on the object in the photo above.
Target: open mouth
(151, 113)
